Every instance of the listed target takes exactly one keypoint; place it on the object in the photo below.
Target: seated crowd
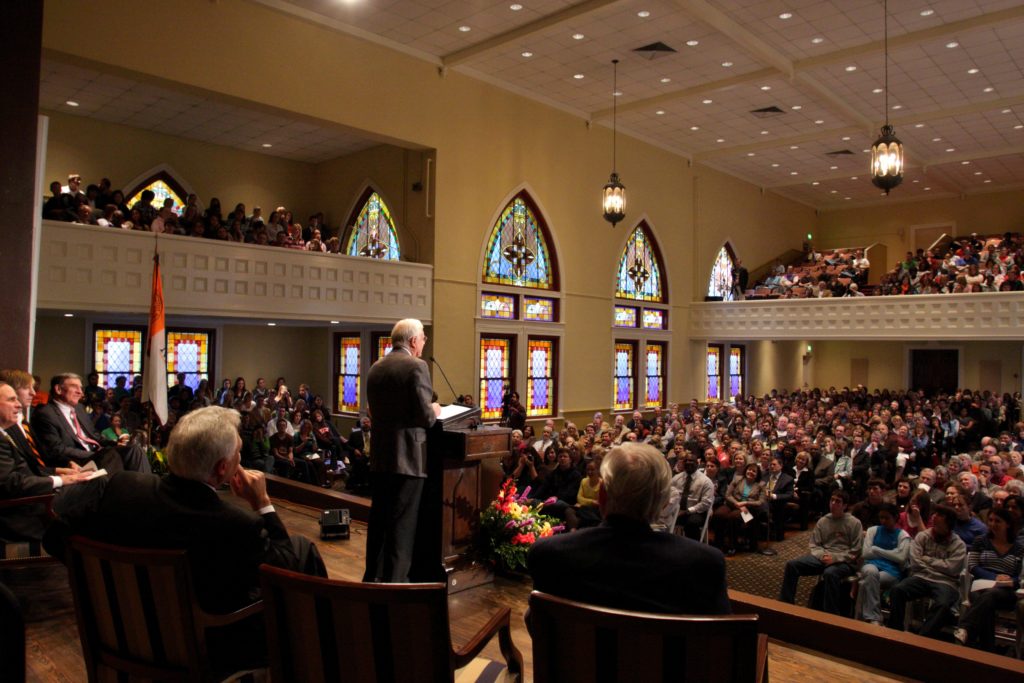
(968, 264)
(834, 273)
(100, 205)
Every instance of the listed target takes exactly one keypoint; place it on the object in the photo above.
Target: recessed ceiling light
(819, 121)
(786, 15)
(866, 151)
(617, 93)
(1006, 111)
(578, 36)
(897, 106)
(271, 324)
(335, 322)
(927, 189)
(267, 145)
(726, 64)
(69, 315)
(936, 139)
(988, 89)
(660, 112)
(988, 180)
(751, 154)
(578, 76)
(527, 54)
(693, 43)
(916, 181)
(964, 163)
(643, 14)
(853, 178)
(766, 88)
(833, 168)
(927, 12)
(794, 173)
(918, 125)
(852, 67)
(833, 191)
(973, 70)
(877, 91)
(817, 41)
(515, 7)
(815, 183)
(465, 29)
(951, 149)
(845, 197)
(794, 146)
(720, 140)
(666, 80)
(775, 165)
(764, 132)
(977, 173)
(1018, 127)
(952, 44)
(706, 101)
(797, 107)
(846, 138)
(694, 127)
(71, 103)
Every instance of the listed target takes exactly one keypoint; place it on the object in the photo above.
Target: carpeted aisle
(762, 575)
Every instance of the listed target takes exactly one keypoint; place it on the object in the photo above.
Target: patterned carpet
(762, 575)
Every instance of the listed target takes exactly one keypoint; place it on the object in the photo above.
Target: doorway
(934, 369)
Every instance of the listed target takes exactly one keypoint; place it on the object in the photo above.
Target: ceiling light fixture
(887, 152)
(613, 203)
(819, 121)
(578, 77)
(643, 14)
(693, 43)
(660, 112)
(515, 7)
(694, 127)
(817, 41)
(465, 29)
(927, 12)
(766, 88)
(726, 64)
(71, 103)
(973, 70)
(666, 80)
(797, 107)
(527, 54)
(267, 145)
(851, 68)
(707, 101)
(720, 140)
(578, 36)
(786, 15)
(952, 44)
(989, 89)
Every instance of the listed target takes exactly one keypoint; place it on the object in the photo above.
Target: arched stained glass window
(640, 270)
(373, 233)
(164, 186)
(517, 250)
(720, 282)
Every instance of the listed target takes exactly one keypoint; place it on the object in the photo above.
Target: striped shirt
(985, 562)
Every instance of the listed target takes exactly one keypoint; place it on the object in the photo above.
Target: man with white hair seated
(625, 564)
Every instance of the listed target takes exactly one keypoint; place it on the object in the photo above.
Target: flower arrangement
(510, 525)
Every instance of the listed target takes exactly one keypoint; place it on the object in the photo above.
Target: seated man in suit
(22, 474)
(65, 434)
(226, 544)
(780, 493)
(625, 564)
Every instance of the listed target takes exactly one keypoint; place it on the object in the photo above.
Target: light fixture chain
(885, 23)
(615, 115)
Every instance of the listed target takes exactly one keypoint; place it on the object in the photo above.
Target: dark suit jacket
(225, 543)
(623, 564)
(56, 440)
(399, 392)
(20, 475)
(783, 488)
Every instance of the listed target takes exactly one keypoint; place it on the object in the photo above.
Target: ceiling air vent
(654, 50)
(839, 153)
(767, 112)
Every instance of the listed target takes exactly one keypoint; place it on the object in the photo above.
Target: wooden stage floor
(53, 652)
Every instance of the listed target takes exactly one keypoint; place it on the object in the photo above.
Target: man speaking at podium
(399, 393)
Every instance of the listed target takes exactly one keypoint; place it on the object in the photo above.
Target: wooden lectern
(463, 476)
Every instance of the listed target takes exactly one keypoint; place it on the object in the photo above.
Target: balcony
(979, 316)
(86, 268)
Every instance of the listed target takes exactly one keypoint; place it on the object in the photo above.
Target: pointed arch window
(720, 282)
(640, 269)
(373, 233)
(517, 250)
(164, 186)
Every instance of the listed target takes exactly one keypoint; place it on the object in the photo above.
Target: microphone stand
(434, 361)
(768, 550)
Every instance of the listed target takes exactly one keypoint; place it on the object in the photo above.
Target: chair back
(577, 642)
(322, 630)
(135, 612)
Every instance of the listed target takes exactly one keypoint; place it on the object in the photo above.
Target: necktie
(366, 444)
(32, 443)
(93, 445)
(771, 485)
(686, 491)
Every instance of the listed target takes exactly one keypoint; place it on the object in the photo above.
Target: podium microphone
(434, 361)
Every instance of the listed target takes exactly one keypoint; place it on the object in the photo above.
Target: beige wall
(96, 149)
(61, 345)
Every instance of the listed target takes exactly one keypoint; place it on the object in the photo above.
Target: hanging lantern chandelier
(613, 202)
(887, 152)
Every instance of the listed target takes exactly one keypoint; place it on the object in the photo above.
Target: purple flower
(526, 493)
(511, 524)
(558, 529)
(550, 501)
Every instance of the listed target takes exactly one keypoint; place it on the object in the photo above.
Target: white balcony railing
(85, 268)
(996, 315)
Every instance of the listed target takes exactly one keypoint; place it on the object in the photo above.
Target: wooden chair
(10, 557)
(137, 615)
(326, 630)
(577, 642)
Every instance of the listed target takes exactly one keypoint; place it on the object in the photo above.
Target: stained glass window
(736, 363)
(654, 319)
(162, 189)
(517, 250)
(118, 353)
(640, 268)
(348, 374)
(654, 373)
(495, 374)
(540, 378)
(538, 309)
(383, 345)
(720, 282)
(373, 232)
(189, 353)
(714, 372)
(625, 316)
(623, 375)
(500, 306)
